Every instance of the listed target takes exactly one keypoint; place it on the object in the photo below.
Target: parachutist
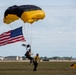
(28, 55)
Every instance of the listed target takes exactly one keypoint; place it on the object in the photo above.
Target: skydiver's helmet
(28, 47)
(37, 54)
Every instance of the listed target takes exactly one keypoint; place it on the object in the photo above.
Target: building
(13, 58)
(1, 58)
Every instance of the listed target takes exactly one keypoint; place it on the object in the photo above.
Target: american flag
(11, 36)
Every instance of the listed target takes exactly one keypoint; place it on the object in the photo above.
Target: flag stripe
(5, 37)
(13, 39)
(5, 34)
(11, 36)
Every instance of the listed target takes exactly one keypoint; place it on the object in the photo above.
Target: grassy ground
(44, 68)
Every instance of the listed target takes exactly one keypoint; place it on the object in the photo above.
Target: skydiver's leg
(31, 60)
(35, 66)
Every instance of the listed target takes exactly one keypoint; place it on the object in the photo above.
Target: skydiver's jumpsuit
(28, 55)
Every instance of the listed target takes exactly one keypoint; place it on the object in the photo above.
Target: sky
(55, 35)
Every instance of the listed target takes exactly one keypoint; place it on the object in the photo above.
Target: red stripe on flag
(6, 38)
(12, 40)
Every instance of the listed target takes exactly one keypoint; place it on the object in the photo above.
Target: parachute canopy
(73, 65)
(27, 13)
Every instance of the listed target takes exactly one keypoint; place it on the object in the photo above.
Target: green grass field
(44, 68)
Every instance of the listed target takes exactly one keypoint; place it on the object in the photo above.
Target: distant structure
(1, 58)
(12, 58)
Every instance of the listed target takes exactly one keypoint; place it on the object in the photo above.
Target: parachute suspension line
(28, 34)
(25, 35)
(24, 27)
(31, 35)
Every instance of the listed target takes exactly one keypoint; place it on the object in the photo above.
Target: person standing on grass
(36, 59)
